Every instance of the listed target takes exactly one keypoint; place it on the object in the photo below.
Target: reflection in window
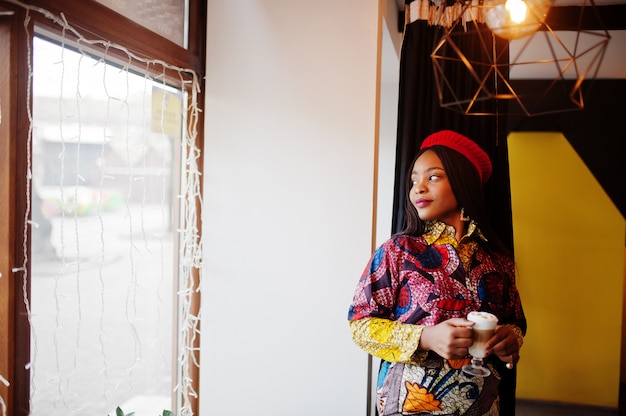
(103, 291)
(168, 18)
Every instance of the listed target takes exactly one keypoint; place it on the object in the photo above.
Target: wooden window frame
(100, 22)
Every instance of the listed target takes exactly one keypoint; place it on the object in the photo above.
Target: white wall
(387, 138)
(388, 130)
(289, 165)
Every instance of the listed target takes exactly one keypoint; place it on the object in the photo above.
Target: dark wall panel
(597, 133)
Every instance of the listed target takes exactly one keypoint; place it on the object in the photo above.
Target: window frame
(103, 23)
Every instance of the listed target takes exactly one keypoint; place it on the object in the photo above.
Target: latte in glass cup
(483, 329)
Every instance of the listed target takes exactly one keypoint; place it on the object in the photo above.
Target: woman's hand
(503, 344)
(450, 339)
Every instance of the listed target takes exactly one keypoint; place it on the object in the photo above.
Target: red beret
(464, 146)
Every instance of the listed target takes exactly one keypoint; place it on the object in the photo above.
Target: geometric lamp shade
(477, 72)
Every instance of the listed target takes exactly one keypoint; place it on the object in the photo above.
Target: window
(103, 212)
(165, 17)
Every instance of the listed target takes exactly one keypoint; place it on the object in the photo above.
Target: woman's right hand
(450, 339)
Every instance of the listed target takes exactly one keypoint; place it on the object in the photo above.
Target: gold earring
(462, 217)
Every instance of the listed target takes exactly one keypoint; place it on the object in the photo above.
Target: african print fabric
(412, 282)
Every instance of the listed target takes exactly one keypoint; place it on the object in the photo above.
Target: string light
(190, 200)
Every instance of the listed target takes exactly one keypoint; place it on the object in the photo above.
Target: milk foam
(482, 320)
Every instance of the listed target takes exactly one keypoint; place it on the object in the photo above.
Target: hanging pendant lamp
(481, 61)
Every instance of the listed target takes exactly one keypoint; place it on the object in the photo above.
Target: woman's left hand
(504, 344)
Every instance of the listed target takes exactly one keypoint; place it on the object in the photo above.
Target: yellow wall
(569, 248)
(622, 377)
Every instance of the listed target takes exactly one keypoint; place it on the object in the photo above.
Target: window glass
(165, 17)
(103, 238)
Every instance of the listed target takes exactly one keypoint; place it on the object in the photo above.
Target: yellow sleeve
(390, 340)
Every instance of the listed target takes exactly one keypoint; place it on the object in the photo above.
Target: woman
(410, 304)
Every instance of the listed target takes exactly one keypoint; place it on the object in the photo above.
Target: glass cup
(483, 329)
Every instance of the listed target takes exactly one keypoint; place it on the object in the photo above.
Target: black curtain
(419, 114)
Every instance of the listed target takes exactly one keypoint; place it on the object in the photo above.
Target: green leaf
(120, 412)
(168, 413)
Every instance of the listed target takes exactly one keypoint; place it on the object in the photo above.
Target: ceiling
(613, 65)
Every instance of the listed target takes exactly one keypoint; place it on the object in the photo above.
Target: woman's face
(431, 193)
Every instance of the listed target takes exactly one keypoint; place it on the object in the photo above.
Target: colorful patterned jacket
(412, 282)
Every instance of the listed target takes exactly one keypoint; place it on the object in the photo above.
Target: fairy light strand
(190, 200)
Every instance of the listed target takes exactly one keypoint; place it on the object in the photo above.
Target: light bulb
(513, 19)
(516, 9)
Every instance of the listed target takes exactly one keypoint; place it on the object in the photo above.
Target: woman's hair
(468, 190)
